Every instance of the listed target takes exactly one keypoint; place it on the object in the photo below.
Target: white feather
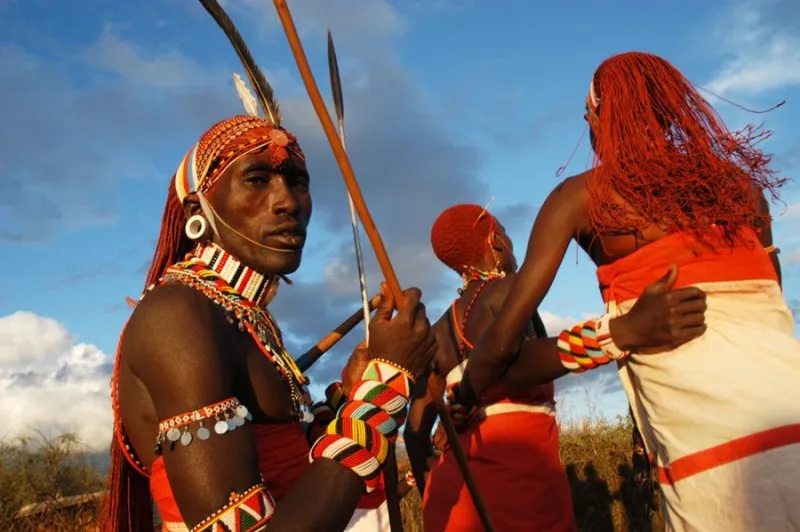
(248, 100)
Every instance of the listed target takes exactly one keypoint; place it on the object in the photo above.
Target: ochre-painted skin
(259, 201)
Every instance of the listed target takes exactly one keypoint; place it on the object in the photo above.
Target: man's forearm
(323, 499)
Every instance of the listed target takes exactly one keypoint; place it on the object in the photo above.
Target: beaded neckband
(216, 274)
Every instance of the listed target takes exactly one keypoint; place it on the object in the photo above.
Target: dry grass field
(57, 472)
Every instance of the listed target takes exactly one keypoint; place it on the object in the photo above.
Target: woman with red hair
(672, 186)
(511, 439)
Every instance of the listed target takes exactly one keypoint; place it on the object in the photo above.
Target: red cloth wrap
(626, 278)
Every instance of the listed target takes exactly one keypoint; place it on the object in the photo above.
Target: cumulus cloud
(51, 383)
(761, 48)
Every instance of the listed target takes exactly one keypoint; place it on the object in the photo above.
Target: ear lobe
(191, 206)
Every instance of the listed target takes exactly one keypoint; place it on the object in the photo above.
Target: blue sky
(446, 101)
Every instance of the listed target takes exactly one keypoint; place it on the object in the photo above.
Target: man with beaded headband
(511, 440)
(671, 187)
(208, 405)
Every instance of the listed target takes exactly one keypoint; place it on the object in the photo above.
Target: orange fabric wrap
(521, 477)
(626, 278)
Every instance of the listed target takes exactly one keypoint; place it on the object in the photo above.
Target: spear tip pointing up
(336, 84)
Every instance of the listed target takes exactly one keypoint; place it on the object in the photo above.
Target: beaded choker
(246, 282)
(243, 293)
(474, 274)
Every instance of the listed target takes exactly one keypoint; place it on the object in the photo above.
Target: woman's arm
(561, 218)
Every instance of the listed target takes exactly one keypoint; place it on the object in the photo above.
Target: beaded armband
(245, 512)
(223, 417)
(367, 422)
(588, 345)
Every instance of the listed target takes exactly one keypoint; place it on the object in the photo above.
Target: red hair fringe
(459, 236)
(128, 505)
(173, 244)
(663, 149)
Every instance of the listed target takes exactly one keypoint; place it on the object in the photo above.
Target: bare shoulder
(496, 292)
(173, 332)
(574, 184)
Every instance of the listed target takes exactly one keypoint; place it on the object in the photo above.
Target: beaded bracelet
(244, 512)
(335, 396)
(411, 481)
(588, 345)
(348, 453)
(367, 422)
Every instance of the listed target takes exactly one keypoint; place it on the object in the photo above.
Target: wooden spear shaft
(307, 359)
(372, 233)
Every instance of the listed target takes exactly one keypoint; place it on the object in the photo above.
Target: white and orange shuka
(720, 414)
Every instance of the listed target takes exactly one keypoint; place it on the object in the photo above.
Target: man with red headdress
(208, 405)
(671, 186)
(511, 440)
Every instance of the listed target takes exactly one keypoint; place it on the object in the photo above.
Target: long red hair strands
(128, 505)
(663, 149)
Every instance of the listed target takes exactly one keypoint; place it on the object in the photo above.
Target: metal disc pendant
(308, 417)
(231, 424)
(238, 420)
(203, 433)
(186, 438)
(174, 434)
(241, 411)
(221, 427)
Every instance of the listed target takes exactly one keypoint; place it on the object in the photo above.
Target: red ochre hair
(663, 149)
(218, 147)
(128, 505)
(460, 236)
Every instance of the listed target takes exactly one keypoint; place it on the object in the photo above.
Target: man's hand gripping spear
(357, 201)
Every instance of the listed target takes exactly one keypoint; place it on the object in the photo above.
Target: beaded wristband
(588, 345)
(363, 434)
(244, 512)
(335, 396)
(349, 454)
(381, 395)
(606, 341)
(410, 479)
(390, 374)
(372, 415)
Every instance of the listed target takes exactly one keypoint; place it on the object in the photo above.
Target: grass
(596, 457)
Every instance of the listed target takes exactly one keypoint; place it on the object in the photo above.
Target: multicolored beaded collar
(474, 274)
(243, 295)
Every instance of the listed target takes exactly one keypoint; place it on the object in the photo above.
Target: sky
(446, 101)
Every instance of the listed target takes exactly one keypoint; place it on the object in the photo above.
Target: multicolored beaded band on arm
(367, 422)
(588, 345)
(224, 416)
(249, 511)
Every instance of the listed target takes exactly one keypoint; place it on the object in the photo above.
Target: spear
(390, 468)
(374, 237)
(338, 103)
(307, 359)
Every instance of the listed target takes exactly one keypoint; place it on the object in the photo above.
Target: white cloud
(792, 211)
(762, 55)
(50, 383)
(794, 257)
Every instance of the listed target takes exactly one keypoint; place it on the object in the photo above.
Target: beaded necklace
(243, 294)
(473, 274)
